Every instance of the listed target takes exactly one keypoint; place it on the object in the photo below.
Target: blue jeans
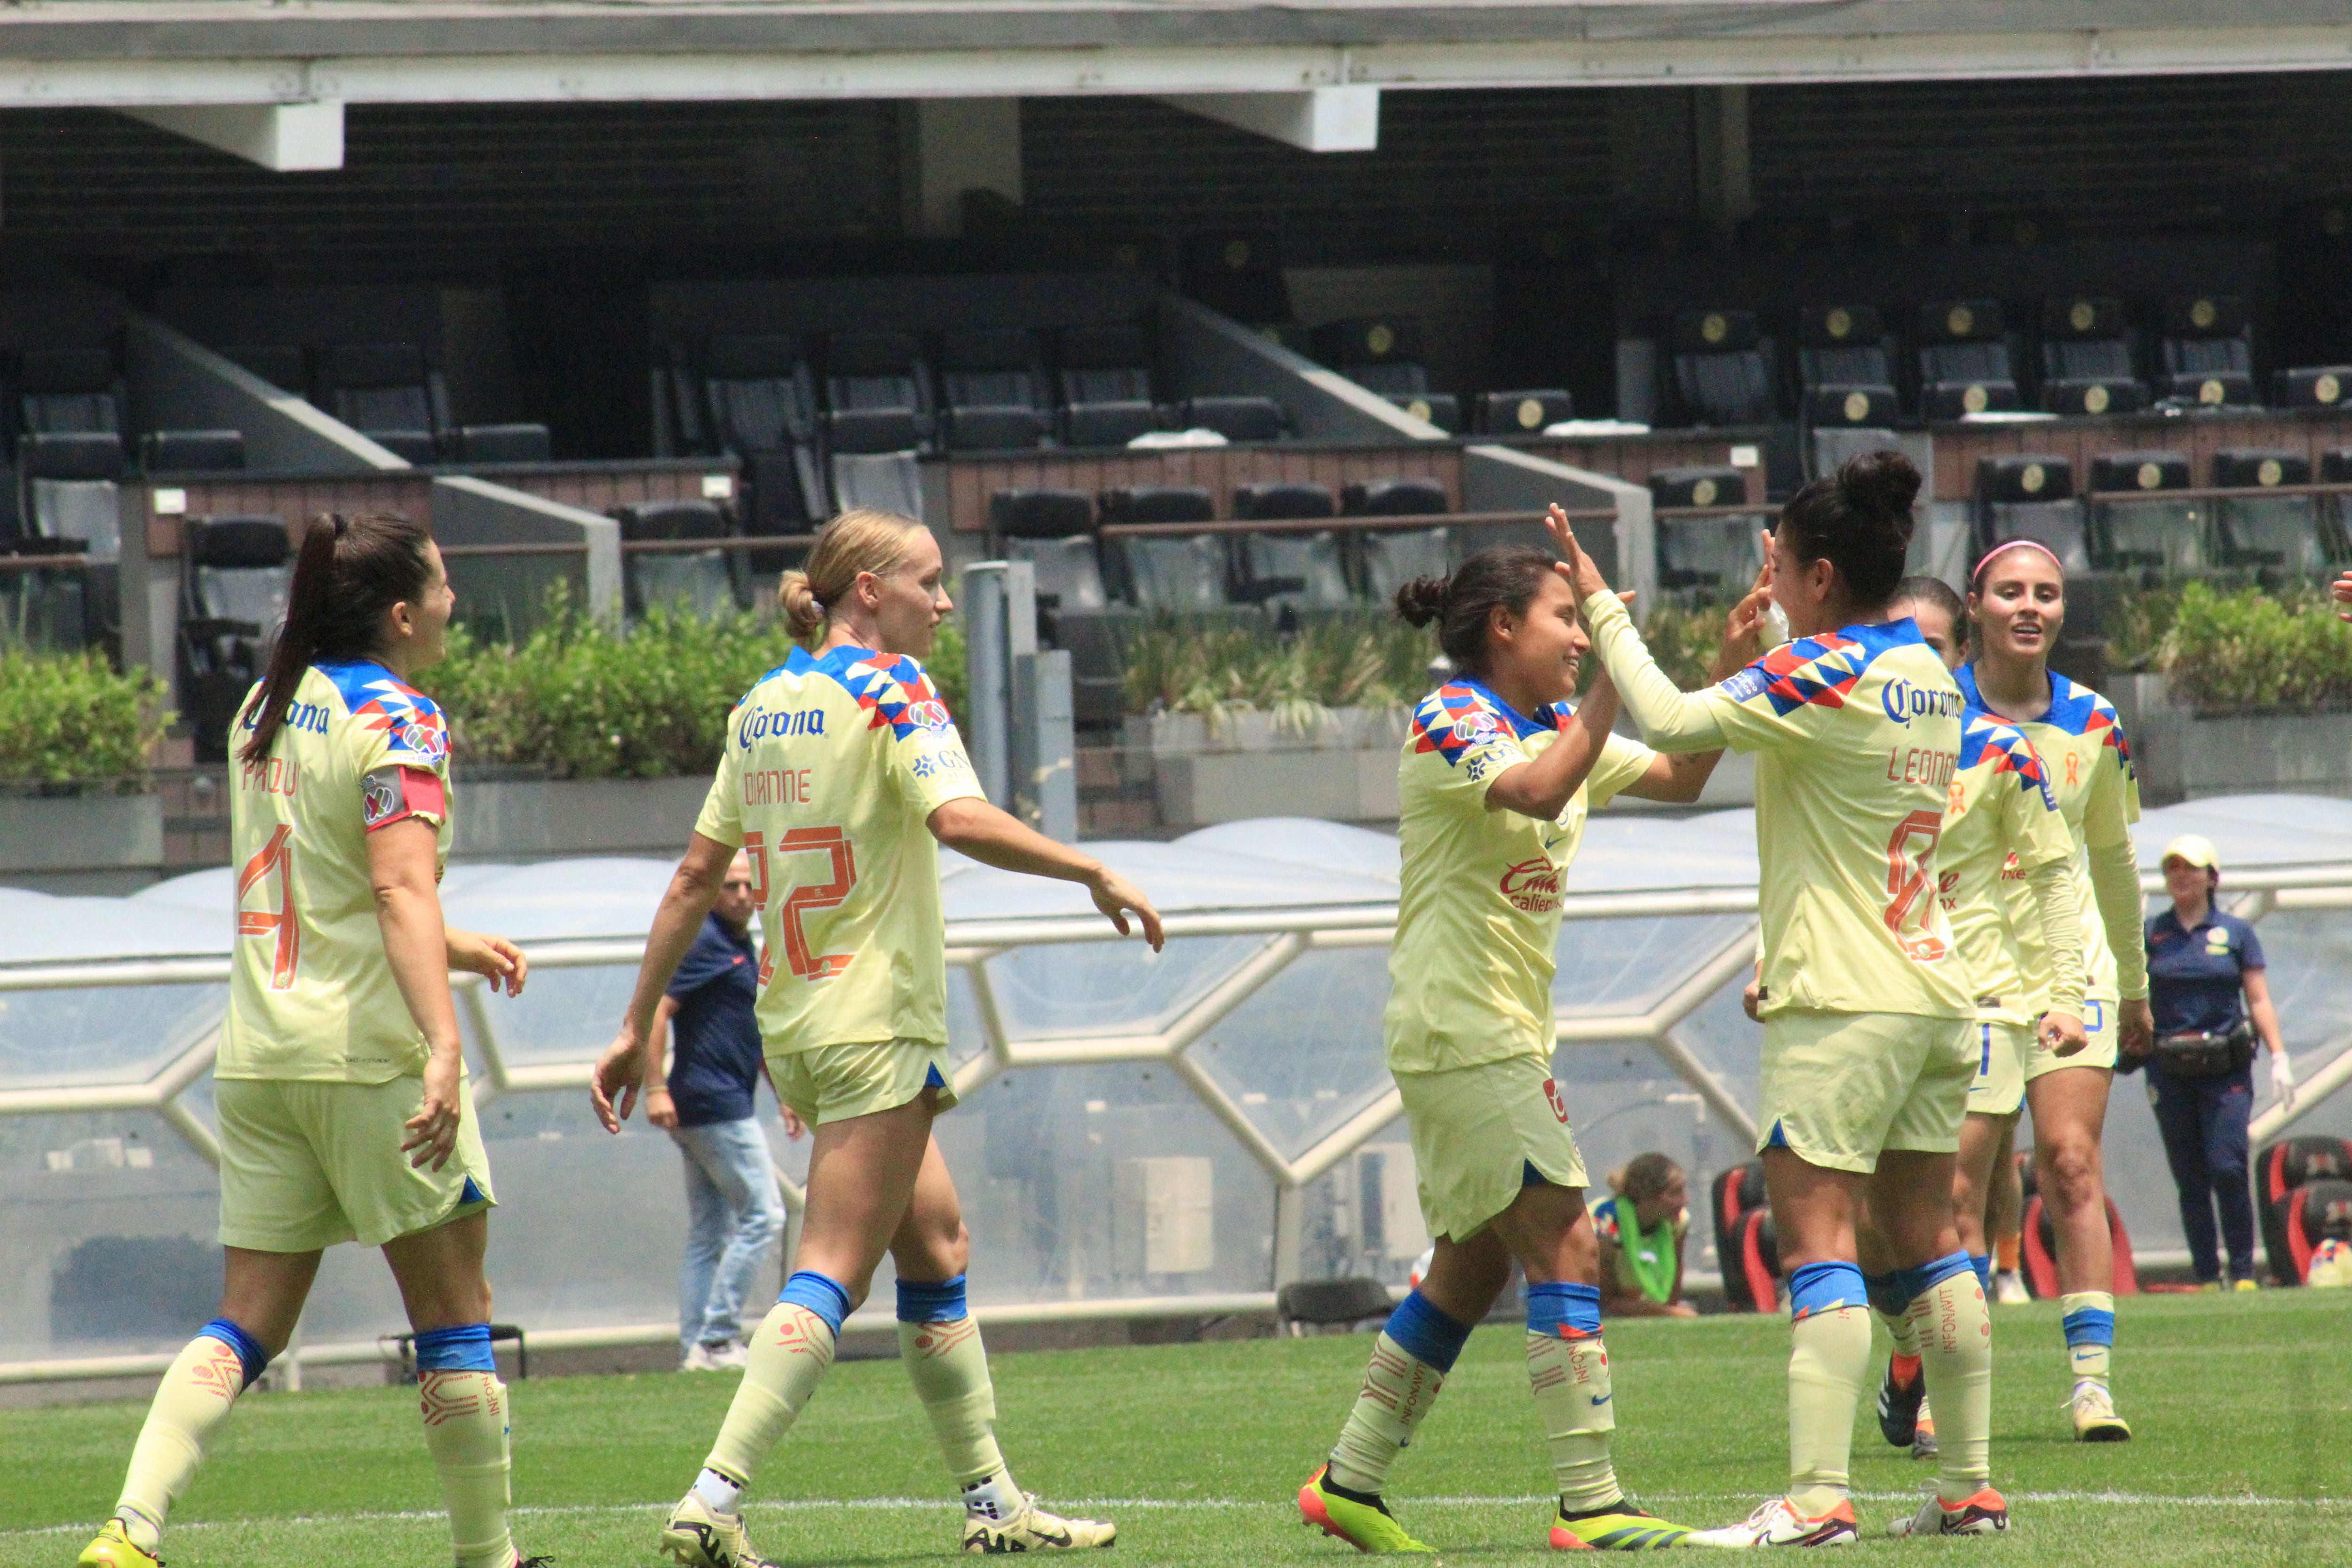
(733, 1218)
(2204, 1124)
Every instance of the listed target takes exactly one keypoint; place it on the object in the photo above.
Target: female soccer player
(1641, 1225)
(841, 774)
(2018, 600)
(2000, 821)
(341, 1083)
(1495, 777)
(1867, 1011)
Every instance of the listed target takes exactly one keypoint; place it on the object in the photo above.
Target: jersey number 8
(805, 899)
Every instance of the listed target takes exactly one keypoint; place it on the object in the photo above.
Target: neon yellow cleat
(1620, 1526)
(1034, 1529)
(115, 1549)
(1366, 1527)
(698, 1536)
(2096, 1420)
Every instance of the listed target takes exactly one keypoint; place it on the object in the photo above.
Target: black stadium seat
(1723, 371)
(2312, 387)
(1382, 354)
(755, 396)
(1238, 273)
(1054, 530)
(500, 444)
(70, 392)
(1389, 558)
(2282, 1169)
(1845, 367)
(192, 451)
(1330, 1303)
(1104, 384)
(2139, 522)
(1720, 554)
(992, 389)
(1235, 417)
(2282, 533)
(2206, 355)
(1290, 571)
(1522, 413)
(2031, 497)
(2086, 359)
(1965, 364)
(705, 582)
(235, 574)
(388, 393)
(877, 393)
(1178, 575)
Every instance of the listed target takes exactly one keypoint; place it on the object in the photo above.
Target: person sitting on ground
(1641, 1227)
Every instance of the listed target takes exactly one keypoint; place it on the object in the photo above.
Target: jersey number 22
(805, 899)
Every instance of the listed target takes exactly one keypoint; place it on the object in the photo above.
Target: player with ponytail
(1495, 779)
(339, 1084)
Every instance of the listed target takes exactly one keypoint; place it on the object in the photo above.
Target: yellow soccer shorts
(1840, 1088)
(833, 1083)
(1999, 1089)
(1477, 1134)
(305, 1165)
(2098, 1025)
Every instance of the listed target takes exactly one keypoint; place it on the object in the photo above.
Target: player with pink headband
(2017, 602)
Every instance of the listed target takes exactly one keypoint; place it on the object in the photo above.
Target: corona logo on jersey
(1533, 886)
(1903, 702)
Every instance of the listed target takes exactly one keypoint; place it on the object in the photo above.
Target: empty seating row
(1383, 354)
(2140, 512)
(395, 395)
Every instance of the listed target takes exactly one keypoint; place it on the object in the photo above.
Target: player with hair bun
(1867, 1008)
(841, 774)
(1495, 779)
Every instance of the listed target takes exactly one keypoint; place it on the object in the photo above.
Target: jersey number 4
(273, 858)
(1910, 852)
(805, 899)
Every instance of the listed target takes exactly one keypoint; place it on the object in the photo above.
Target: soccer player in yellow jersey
(2017, 599)
(340, 1085)
(1867, 1009)
(1495, 779)
(2000, 823)
(842, 775)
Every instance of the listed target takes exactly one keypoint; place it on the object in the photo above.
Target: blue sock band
(248, 1348)
(2090, 1326)
(1562, 1310)
(820, 1295)
(1825, 1288)
(1886, 1293)
(1983, 1263)
(465, 1348)
(1428, 1335)
(940, 1303)
(1913, 1283)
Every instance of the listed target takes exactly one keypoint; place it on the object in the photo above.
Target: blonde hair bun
(863, 540)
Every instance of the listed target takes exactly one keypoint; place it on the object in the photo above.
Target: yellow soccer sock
(2089, 1318)
(466, 1430)
(1899, 1330)
(198, 1393)
(785, 1360)
(939, 1343)
(1409, 1363)
(1570, 1381)
(1956, 1354)
(1829, 1362)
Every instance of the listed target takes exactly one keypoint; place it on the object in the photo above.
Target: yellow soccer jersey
(834, 763)
(1471, 968)
(2000, 822)
(1858, 732)
(2089, 763)
(311, 996)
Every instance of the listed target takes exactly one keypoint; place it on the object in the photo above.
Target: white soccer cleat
(2008, 1288)
(1034, 1529)
(698, 1536)
(1986, 1513)
(1776, 1523)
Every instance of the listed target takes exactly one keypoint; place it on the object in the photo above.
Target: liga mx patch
(392, 793)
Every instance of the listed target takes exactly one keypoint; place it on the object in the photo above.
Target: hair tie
(1978, 575)
(816, 604)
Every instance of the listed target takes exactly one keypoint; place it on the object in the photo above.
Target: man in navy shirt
(2206, 976)
(705, 1100)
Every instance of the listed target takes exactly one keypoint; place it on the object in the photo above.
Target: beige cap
(2193, 849)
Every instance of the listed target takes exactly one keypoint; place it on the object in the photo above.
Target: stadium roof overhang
(245, 74)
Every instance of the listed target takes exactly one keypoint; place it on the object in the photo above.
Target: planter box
(1341, 766)
(2182, 756)
(504, 818)
(97, 843)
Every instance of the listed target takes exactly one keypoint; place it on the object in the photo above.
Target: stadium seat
(1845, 367)
(1238, 273)
(2040, 1251)
(1330, 1303)
(388, 393)
(1389, 558)
(235, 572)
(1522, 413)
(992, 388)
(515, 443)
(2318, 1211)
(2311, 386)
(71, 489)
(704, 582)
(1723, 372)
(1965, 364)
(2205, 354)
(1382, 354)
(1290, 571)
(1104, 379)
(1733, 1197)
(1176, 573)
(192, 451)
(2031, 497)
(1751, 1268)
(758, 400)
(2279, 1169)
(1053, 529)
(2137, 524)
(70, 392)
(877, 393)
(1236, 418)
(1717, 554)
(2281, 532)
(2086, 359)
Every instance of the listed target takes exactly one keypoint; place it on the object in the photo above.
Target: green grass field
(2242, 1406)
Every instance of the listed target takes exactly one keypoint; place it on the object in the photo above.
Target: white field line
(913, 1504)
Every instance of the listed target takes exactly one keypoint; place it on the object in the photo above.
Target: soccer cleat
(1986, 1513)
(115, 1549)
(1366, 1526)
(1922, 1437)
(728, 1357)
(698, 1536)
(2096, 1420)
(2243, 1285)
(1034, 1529)
(1620, 1526)
(1898, 1401)
(2008, 1288)
(1777, 1523)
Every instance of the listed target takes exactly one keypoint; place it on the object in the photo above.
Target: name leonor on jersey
(1921, 764)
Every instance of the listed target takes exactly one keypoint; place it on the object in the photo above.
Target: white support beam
(1318, 120)
(281, 137)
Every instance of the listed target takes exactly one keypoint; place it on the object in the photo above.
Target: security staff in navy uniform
(2211, 1002)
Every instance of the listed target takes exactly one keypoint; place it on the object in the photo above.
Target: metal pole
(988, 722)
(1045, 781)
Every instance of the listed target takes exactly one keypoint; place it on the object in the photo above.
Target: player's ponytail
(1859, 519)
(1504, 576)
(862, 540)
(1644, 1177)
(349, 572)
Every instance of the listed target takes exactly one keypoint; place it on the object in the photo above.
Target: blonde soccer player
(2001, 823)
(339, 1084)
(1496, 778)
(842, 775)
(2017, 599)
(1868, 1047)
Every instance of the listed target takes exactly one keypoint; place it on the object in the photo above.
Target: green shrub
(69, 722)
(1203, 666)
(1683, 642)
(2250, 651)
